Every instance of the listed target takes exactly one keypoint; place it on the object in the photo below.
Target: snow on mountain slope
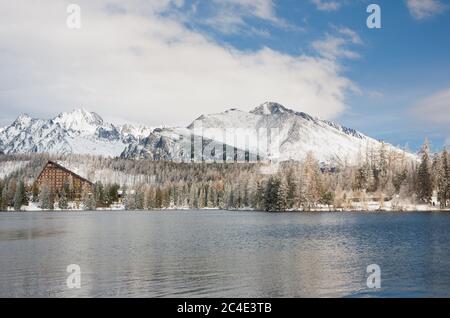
(288, 134)
(138, 131)
(79, 132)
(81, 121)
(270, 131)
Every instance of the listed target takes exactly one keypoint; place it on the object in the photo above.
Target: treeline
(381, 176)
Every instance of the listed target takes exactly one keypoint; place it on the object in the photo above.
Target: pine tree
(424, 181)
(313, 180)
(113, 192)
(398, 179)
(444, 180)
(229, 195)
(35, 192)
(99, 194)
(158, 198)
(258, 197)
(46, 198)
(364, 177)
(327, 198)
(5, 198)
(282, 199)
(88, 199)
(271, 196)
(211, 196)
(62, 201)
(1, 192)
(291, 189)
(20, 197)
(12, 186)
(202, 198)
(382, 166)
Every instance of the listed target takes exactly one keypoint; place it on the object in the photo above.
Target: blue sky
(168, 61)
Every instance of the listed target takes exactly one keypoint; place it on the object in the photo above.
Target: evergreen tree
(158, 198)
(1, 192)
(202, 198)
(5, 198)
(20, 197)
(88, 200)
(444, 180)
(62, 201)
(193, 202)
(364, 177)
(211, 196)
(271, 196)
(282, 199)
(327, 198)
(398, 179)
(313, 180)
(229, 193)
(12, 186)
(139, 199)
(258, 197)
(35, 192)
(291, 189)
(46, 198)
(424, 181)
(99, 194)
(382, 167)
(113, 192)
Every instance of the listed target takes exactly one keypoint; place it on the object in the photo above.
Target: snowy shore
(368, 207)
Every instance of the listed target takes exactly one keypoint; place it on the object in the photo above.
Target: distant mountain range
(269, 126)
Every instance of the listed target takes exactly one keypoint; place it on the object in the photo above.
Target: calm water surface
(224, 254)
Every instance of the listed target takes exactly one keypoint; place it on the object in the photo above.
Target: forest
(382, 180)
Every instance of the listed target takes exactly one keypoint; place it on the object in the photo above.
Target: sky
(166, 62)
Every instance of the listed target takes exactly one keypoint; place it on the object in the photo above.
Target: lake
(224, 254)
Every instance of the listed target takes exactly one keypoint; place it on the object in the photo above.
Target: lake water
(224, 254)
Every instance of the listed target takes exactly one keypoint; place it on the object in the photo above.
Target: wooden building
(56, 176)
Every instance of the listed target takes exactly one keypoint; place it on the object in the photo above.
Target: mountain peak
(79, 119)
(270, 108)
(23, 120)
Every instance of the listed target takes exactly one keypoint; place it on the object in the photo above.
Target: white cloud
(435, 108)
(230, 17)
(264, 9)
(351, 35)
(131, 62)
(327, 5)
(422, 9)
(337, 45)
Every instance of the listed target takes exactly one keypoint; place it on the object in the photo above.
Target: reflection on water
(224, 254)
(27, 234)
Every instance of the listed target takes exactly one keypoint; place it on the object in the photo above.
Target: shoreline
(237, 211)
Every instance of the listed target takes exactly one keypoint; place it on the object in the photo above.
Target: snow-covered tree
(424, 180)
(20, 197)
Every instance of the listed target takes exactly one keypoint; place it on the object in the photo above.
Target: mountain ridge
(292, 134)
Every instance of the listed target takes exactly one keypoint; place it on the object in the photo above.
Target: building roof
(66, 170)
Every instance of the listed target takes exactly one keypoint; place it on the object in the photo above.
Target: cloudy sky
(168, 61)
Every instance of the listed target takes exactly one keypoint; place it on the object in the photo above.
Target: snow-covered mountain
(79, 132)
(269, 132)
